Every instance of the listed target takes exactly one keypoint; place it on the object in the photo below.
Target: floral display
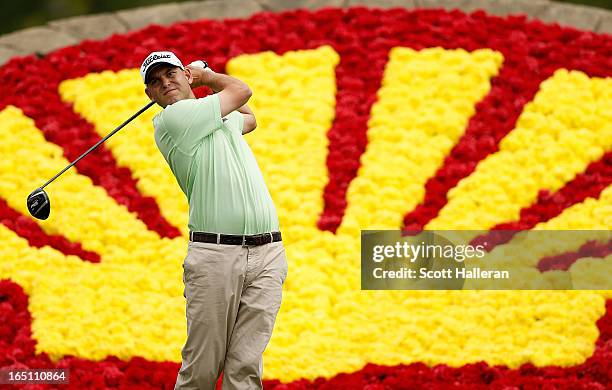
(555, 138)
(367, 119)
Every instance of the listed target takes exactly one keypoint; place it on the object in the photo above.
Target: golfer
(235, 265)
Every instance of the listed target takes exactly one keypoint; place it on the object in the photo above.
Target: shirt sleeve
(235, 122)
(240, 122)
(188, 121)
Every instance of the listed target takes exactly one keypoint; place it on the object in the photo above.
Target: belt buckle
(271, 237)
(218, 238)
(243, 241)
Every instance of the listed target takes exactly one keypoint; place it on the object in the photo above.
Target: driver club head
(39, 204)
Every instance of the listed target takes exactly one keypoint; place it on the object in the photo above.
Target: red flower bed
(30, 230)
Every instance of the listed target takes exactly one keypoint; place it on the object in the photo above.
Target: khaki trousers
(233, 294)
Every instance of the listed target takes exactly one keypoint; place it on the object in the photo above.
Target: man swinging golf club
(235, 265)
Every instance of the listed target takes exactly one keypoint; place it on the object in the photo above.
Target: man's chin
(172, 100)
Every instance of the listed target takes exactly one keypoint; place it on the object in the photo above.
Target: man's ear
(189, 75)
(148, 93)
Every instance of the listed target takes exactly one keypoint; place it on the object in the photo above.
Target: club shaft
(99, 142)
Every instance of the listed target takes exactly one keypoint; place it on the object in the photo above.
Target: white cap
(157, 57)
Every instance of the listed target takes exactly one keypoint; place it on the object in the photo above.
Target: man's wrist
(202, 72)
(207, 80)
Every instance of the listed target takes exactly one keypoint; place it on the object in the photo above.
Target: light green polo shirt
(215, 168)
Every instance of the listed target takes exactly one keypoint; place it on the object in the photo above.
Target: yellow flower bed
(567, 126)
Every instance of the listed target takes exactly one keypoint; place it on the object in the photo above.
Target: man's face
(168, 84)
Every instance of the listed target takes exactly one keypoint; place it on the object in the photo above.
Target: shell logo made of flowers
(377, 119)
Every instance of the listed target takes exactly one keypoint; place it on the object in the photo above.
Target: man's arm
(250, 122)
(233, 93)
(249, 119)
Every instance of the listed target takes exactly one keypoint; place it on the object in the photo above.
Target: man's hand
(197, 68)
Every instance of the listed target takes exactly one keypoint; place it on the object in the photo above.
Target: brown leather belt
(233, 239)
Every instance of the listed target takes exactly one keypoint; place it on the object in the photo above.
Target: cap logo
(155, 57)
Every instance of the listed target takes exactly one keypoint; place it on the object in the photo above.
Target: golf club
(38, 201)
